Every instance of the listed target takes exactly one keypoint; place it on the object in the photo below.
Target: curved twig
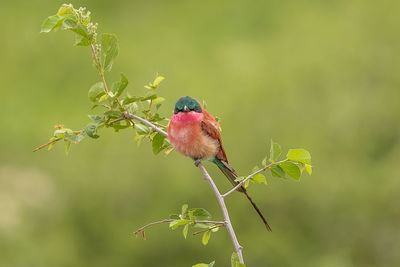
(141, 229)
(48, 143)
(249, 177)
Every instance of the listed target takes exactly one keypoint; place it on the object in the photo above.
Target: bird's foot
(197, 162)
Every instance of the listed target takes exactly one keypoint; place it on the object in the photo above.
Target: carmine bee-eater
(195, 133)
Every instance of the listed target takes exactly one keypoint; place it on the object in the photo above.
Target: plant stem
(145, 122)
(238, 247)
(116, 120)
(171, 220)
(48, 143)
(208, 229)
(101, 73)
(249, 177)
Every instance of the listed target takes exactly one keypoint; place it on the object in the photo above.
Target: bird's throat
(186, 117)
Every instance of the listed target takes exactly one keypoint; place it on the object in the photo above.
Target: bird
(195, 133)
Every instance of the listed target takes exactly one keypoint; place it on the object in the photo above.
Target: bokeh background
(320, 75)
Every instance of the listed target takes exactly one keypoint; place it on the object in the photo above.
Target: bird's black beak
(185, 109)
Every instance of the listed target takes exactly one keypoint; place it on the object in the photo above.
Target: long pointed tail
(258, 211)
(230, 173)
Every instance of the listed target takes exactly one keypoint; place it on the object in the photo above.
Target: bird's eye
(179, 106)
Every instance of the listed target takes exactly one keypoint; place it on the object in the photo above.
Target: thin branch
(144, 121)
(238, 247)
(249, 177)
(150, 224)
(210, 228)
(116, 120)
(101, 73)
(48, 143)
(141, 229)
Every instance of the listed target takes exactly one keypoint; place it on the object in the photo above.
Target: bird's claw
(197, 162)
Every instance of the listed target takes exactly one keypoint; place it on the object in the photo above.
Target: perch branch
(238, 247)
(220, 198)
(144, 121)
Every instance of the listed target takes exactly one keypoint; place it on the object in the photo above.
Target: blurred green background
(321, 75)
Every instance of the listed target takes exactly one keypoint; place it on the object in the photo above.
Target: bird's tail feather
(230, 173)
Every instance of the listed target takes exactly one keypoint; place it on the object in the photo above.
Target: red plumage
(197, 135)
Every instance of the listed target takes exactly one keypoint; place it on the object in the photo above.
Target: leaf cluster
(194, 218)
(114, 100)
(292, 166)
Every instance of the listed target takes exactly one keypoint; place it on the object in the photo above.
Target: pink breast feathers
(184, 133)
(186, 118)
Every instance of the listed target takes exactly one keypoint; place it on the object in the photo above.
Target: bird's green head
(187, 104)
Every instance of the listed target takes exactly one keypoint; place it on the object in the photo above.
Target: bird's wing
(210, 127)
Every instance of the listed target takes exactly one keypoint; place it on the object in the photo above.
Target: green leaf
(113, 114)
(104, 97)
(67, 147)
(64, 10)
(199, 214)
(157, 81)
(60, 133)
(277, 171)
(96, 91)
(141, 129)
(158, 100)
(202, 225)
(300, 155)
(156, 117)
(308, 168)
(52, 144)
(97, 118)
(275, 151)
(215, 229)
(259, 178)
(73, 25)
(50, 23)
(138, 138)
(235, 261)
(175, 224)
(75, 138)
(132, 108)
(291, 169)
(157, 143)
(119, 126)
(240, 178)
(118, 87)
(174, 216)
(132, 99)
(211, 264)
(185, 230)
(109, 51)
(81, 41)
(206, 237)
(150, 97)
(184, 208)
(91, 130)
(246, 184)
(264, 162)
